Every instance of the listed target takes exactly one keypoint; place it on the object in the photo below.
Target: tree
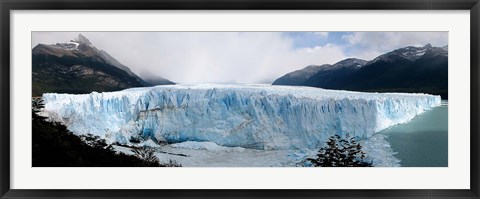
(340, 153)
(146, 153)
(53, 145)
(37, 106)
(95, 141)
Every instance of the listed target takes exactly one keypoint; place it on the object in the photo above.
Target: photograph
(240, 99)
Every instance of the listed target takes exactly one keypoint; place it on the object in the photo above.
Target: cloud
(321, 34)
(241, 57)
(200, 57)
(368, 45)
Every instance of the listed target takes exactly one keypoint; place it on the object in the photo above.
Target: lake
(422, 142)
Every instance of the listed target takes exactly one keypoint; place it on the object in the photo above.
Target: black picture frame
(8, 5)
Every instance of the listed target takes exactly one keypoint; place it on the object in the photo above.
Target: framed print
(239, 99)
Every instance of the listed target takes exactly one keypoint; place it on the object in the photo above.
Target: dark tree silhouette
(55, 146)
(340, 153)
(146, 153)
(37, 106)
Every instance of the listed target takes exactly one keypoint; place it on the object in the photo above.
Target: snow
(379, 152)
(208, 154)
(244, 158)
(219, 116)
(209, 146)
(420, 53)
(67, 46)
(74, 43)
(414, 55)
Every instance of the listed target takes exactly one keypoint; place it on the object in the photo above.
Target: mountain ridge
(409, 69)
(78, 67)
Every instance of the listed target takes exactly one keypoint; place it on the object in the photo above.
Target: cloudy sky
(239, 57)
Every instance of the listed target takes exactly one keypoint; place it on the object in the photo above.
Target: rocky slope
(79, 67)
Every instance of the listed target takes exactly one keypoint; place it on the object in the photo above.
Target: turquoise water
(422, 142)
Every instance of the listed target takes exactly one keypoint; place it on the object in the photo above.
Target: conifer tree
(340, 153)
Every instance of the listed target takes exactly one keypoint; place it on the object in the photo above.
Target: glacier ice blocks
(249, 116)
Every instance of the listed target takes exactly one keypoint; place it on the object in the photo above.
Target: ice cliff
(251, 116)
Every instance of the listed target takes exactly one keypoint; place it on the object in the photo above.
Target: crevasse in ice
(251, 116)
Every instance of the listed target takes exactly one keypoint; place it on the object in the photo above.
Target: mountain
(156, 80)
(299, 77)
(79, 67)
(324, 75)
(334, 75)
(410, 69)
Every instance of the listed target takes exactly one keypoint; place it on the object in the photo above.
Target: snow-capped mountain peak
(78, 43)
(413, 53)
(75, 62)
(82, 40)
(74, 43)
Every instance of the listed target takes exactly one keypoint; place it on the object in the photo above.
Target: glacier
(239, 115)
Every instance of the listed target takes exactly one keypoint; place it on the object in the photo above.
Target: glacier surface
(248, 116)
